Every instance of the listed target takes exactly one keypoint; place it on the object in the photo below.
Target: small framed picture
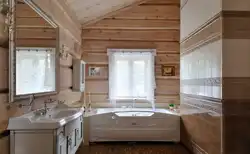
(168, 70)
(94, 71)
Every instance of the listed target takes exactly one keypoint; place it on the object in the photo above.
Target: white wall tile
(196, 13)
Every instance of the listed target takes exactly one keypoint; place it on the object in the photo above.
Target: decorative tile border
(226, 24)
(203, 102)
(211, 32)
(203, 82)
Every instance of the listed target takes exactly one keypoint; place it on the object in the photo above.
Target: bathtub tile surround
(201, 124)
(215, 89)
(201, 77)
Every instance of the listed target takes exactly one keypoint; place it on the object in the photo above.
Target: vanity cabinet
(64, 140)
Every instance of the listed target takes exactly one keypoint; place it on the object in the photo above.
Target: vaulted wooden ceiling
(88, 11)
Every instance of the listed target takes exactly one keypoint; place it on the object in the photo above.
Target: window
(131, 74)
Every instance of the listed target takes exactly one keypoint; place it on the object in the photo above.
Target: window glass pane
(122, 78)
(139, 79)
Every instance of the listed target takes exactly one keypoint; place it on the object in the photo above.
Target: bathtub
(119, 124)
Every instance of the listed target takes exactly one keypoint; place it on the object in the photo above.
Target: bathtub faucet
(133, 106)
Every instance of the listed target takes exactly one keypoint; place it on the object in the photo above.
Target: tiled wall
(196, 13)
(215, 79)
(236, 76)
(201, 72)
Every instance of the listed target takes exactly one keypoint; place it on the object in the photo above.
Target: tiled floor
(133, 148)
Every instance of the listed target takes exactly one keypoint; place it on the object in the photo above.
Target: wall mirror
(33, 52)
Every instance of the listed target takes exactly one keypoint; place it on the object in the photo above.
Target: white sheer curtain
(131, 74)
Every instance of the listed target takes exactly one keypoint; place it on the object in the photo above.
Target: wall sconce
(63, 52)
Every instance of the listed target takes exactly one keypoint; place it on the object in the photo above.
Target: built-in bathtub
(133, 124)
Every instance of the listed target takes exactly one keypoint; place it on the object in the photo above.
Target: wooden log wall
(69, 34)
(154, 24)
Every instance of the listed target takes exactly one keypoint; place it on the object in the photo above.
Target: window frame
(152, 51)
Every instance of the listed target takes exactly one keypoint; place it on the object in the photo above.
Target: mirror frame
(12, 52)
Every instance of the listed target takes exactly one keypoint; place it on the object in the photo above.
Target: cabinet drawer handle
(133, 123)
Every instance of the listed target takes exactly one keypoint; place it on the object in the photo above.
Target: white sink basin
(63, 113)
(52, 120)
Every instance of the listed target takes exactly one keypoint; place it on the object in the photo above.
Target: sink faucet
(45, 104)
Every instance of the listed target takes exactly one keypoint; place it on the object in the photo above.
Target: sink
(63, 113)
(54, 118)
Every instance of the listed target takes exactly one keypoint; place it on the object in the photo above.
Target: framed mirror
(34, 55)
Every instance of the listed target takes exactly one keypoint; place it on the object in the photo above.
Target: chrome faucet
(45, 104)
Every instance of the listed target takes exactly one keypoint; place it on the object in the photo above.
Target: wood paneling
(134, 35)
(23, 10)
(162, 2)
(103, 45)
(164, 12)
(69, 30)
(136, 24)
(4, 68)
(36, 42)
(153, 25)
(36, 22)
(159, 59)
(93, 10)
(30, 33)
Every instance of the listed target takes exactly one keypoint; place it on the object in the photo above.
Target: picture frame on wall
(94, 71)
(168, 70)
